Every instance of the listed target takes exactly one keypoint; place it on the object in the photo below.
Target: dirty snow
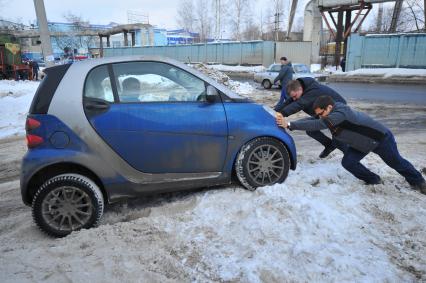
(322, 224)
(238, 87)
(242, 69)
(389, 72)
(15, 101)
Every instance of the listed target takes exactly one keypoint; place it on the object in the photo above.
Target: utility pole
(395, 15)
(277, 25)
(291, 16)
(380, 18)
(424, 10)
(218, 31)
(43, 28)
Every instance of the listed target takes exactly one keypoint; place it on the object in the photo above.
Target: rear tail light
(32, 140)
(32, 124)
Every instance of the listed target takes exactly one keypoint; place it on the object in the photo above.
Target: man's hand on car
(281, 122)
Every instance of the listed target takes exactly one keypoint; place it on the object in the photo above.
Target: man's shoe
(326, 152)
(420, 187)
(375, 182)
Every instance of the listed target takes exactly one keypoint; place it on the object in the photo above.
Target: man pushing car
(362, 135)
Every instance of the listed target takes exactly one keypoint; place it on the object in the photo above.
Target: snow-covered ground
(322, 224)
(243, 69)
(15, 101)
(386, 72)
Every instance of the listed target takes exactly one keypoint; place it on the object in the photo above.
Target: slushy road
(389, 93)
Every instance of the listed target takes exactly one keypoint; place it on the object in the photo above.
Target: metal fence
(295, 51)
(232, 53)
(386, 51)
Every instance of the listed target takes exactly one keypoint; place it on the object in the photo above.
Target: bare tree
(279, 16)
(203, 19)
(251, 30)
(186, 14)
(413, 15)
(79, 34)
(238, 10)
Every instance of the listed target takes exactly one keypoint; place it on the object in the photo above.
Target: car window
(276, 68)
(156, 82)
(301, 69)
(98, 84)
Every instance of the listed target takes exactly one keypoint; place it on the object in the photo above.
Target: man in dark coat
(36, 68)
(284, 76)
(363, 135)
(303, 93)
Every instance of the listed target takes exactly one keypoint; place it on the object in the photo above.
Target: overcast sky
(162, 13)
(95, 11)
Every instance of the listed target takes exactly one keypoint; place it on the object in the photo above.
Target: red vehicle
(11, 65)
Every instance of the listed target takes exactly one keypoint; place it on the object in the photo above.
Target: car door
(273, 71)
(160, 120)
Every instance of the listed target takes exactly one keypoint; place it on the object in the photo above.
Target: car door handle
(96, 106)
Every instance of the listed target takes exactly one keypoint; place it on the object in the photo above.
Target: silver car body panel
(271, 75)
(68, 107)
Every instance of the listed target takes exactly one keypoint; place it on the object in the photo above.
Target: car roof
(86, 65)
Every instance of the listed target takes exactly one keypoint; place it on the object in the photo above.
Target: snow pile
(17, 88)
(218, 76)
(15, 101)
(386, 73)
(238, 69)
(214, 74)
(243, 89)
(315, 68)
(333, 70)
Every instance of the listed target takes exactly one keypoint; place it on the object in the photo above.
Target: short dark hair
(323, 101)
(293, 85)
(283, 58)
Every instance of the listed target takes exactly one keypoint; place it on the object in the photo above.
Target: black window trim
(222, 96)
(47, 89)
(150, 102)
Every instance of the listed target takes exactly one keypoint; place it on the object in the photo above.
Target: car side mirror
(212, 93)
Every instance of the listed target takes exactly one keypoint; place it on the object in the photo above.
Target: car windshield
(274, 68)
(300, 68)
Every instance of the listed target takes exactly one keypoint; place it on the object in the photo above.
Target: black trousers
(326, 141)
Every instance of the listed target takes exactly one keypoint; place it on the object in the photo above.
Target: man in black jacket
(363, 135)
(303, 93)
(284, 76)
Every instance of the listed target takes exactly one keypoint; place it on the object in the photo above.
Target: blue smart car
(103, 130)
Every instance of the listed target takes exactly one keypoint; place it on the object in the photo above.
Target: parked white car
(267, 77)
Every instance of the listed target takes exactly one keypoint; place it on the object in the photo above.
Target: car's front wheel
(267, 84)
(261, 162)
(67, 203)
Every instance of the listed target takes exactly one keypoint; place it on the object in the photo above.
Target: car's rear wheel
(67, 203)
(267, 84)
(261, 162)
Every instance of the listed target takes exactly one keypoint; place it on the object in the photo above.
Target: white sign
(50, 58)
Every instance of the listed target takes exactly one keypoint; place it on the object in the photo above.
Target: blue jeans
(388, 152)
(283, 98)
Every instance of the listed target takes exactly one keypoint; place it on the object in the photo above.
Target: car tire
(267, 84)
(261, 162)
(67, 203)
